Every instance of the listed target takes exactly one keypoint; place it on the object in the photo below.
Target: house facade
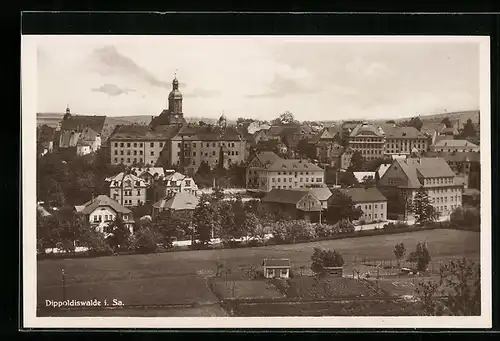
(404, 140)
(433, 174)
(299, 204)
(371, 201)
(457, 146)
(102, 210)
(127, 189)
(288, 174)
(368, 139)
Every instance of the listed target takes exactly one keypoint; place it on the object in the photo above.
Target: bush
(469, 218)
(96, 243)
(344, 226)
(292, 231)
(325, 258)
(421, 257)
(145, 241)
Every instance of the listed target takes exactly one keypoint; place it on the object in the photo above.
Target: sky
(257, 77)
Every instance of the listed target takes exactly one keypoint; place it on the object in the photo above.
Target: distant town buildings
(451, 146)
(368, 139)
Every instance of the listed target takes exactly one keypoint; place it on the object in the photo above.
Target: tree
(252, 226)
(145, 239)
(285, 118)
(421, 256)
(118, 234)
(341, 206)
(347, 179)
(399, 251)
(322, 258)
(357, 162)
(206, 220)
(306, 149)
(415, 122)
(459, 284)
(447, 122)
(171, 225)
(228, 228)
(422, 208)
(469, 130)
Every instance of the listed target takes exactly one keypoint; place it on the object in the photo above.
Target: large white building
(432, 174)
(267, 172)
(102, 210)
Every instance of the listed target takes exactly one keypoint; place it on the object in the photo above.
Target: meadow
(182, 277)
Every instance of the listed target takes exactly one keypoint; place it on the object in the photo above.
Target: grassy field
(181, 277)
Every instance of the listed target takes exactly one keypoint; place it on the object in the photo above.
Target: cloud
(202, 93)
(363, 68)
(281, 86)
(112, 90)
(108, 61)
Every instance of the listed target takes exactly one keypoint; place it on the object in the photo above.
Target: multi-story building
(139, 145)
(451, 146)
(371, 201)
(170, 141)
(465, 165)
(404, 140)
(368, 140)
(287, 174)
(127, 189)
(434, 175)
(259, 161)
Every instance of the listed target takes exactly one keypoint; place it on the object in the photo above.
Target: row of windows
(291, 173)
(369, 206)
(128, 160)
(231, 153)
(444, 190)
(300, 180)
(436, 181)
(370, 151)
(106, 217)
(128, 152)
(186, 145)
(137, 144)
(441, 200)
(369, 216)
(445, 207)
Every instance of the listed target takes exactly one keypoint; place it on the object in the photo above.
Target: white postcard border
(29, 109)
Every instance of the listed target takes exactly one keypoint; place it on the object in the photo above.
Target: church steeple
(175, 98)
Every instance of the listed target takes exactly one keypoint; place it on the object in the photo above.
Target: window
(140, 160)
(178, 153)
(116, 152)
(121, 144)
(140, 152)
(121, 160)
(135, 152)
(194, 153)
(116, 160)
(161, 144)
(135, 159)
(369, 207)
(135, 144)
(116, 144)
(128, 144)
(279, 179)
(301, 179)
(213, 153)
(128, 160)
(213, 144)
(138, 192)
(152, 153)
(290, 180)
(273, 180)
(152, 144)
(236, 152)
(319, 179)
(178, 145)
(121, 152)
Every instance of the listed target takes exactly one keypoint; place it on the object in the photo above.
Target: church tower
(173, 115)
(67, 114)
(175, 104)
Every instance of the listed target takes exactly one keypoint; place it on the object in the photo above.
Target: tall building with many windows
(368, 139)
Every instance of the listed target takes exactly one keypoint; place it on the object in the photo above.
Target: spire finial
(175, 73)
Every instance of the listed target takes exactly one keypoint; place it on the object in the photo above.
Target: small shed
(336, 271)
(276, 268)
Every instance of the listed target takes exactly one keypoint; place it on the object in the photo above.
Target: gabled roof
(176, 176)
(179, 201)
(457, 156)
(117, 180)
(209, 133)
(365, 130)
(267, 157)
(322, 193)
(402, 132)
(360, 194)
(428, 167)
(291, 165)
(285, 196)
(74, 122)
(277, 263)
(382, 169)
(143, 132)
(455, 143)
(148, 170)
(103, 200)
